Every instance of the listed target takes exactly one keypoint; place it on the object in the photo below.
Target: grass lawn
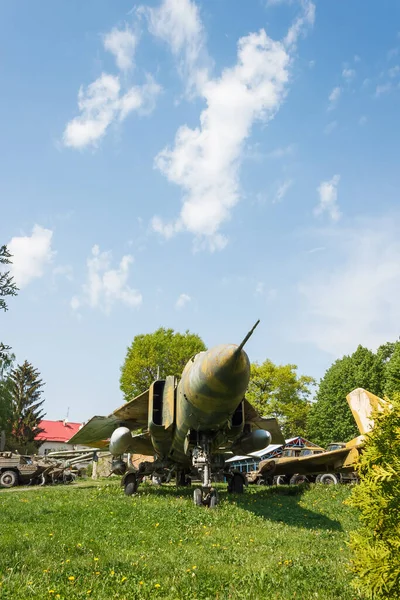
(91, 541)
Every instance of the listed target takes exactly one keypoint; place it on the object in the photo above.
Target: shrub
(376, 545)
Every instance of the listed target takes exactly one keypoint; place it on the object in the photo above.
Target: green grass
(93, 542)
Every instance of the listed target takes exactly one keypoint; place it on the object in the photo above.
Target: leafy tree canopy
(26, 390)
(163, 350)
(330, 418)
(278, 391)
(376, 545)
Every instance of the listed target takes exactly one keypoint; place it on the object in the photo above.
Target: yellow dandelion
(157, 585)
(71, 578)
(194, 567)
(89, 592)
(68, 560)
(51, 534)
(30, 582)
(141, 582)
(79, 545)
(95, 558)
(123, 579)
(112, 572)
(46, 570)
(187, 570)
(157, 524)
(52, 591)
(97, 573)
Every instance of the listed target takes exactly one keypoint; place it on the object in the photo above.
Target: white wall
(57, 446)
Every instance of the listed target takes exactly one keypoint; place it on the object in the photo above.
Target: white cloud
(327, 191)
(30, 255)
(394, 71)
(101, 103)
(178, 23)
(348, 74)
(356, 58)
(328, 129)
(357, 301)
(362, 120)
(106, 286)
(334, 97)
(122, 43)
(182, 301)
(282, 190)
(281, 152)
(65, 271)
(385, 88)
(205, 160)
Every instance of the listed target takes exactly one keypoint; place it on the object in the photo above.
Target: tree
(7, 288)
(330, 418)
(26, 390)
(375, 546)
(278, 391)
(5, 394)
(164, 352)
(392, 372)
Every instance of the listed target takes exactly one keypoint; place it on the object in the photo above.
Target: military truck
(17, 469)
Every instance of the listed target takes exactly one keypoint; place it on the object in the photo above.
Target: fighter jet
(188, 426)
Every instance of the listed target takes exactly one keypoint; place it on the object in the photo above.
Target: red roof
(57, 431)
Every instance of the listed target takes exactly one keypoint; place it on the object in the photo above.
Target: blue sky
(197, 165)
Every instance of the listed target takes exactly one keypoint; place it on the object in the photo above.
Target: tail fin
(362, 405)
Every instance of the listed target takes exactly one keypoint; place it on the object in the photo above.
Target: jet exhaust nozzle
(120, 441)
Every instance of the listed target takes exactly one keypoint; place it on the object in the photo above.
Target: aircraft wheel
(329, 479)
(130, 485)
(8, 479)
(280, 480)
(237, 484)
(297, 479)
(318, 478)
(261, 481)
(197, 497)
(213, 500)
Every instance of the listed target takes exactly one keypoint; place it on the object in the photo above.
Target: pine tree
(26, 391)
(7, 288)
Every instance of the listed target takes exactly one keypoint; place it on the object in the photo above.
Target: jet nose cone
(228, 368)
(219, 379)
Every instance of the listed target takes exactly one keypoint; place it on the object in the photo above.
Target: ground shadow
(275, 503)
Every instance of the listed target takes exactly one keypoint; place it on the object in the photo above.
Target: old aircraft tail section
(362, 404)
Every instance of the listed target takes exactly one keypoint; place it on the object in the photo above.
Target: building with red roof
(56, 434)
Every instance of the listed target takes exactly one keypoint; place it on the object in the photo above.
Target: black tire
(298, 479)
(213, 501)
(318, 478)
(280, 480)
(130, 485)
(237, 484)
(198, 497)
(330, 479)
(8, 479)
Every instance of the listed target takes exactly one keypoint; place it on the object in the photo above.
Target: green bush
(376, 545)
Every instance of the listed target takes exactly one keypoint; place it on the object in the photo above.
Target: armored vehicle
(16, 469)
